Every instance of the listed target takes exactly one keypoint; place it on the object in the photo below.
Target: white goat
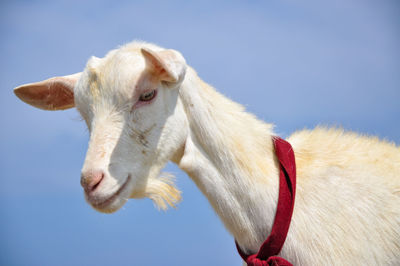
(144, 106)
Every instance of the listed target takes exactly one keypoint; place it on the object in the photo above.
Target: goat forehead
(118, 73)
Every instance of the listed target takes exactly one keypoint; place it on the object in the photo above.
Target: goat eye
(148, 96)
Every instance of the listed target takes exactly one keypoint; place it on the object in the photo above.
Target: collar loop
(287, 192)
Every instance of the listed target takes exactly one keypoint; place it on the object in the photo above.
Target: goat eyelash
(148, 96)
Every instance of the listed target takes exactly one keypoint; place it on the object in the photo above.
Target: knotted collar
(287, 190)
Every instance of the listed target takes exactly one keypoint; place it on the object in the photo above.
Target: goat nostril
(91, 180)
(96, 183)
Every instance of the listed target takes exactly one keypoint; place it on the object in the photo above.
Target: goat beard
(163, 192)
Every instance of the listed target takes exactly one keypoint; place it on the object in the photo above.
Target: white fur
(347, 209)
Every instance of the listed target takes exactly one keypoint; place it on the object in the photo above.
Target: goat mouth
(101, 203)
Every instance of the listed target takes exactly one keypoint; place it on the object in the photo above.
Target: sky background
(296, 64)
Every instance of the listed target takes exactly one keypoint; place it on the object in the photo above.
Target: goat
(144, 106)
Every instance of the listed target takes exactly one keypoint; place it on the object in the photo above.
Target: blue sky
(295, 64)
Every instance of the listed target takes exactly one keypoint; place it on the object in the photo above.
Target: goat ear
(51, 94)
(168, 65)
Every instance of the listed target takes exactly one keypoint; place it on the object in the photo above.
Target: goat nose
(90, 180)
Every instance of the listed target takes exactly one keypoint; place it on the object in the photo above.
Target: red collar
(267, 255)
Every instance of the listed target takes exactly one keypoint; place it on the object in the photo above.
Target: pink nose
(90, 180)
